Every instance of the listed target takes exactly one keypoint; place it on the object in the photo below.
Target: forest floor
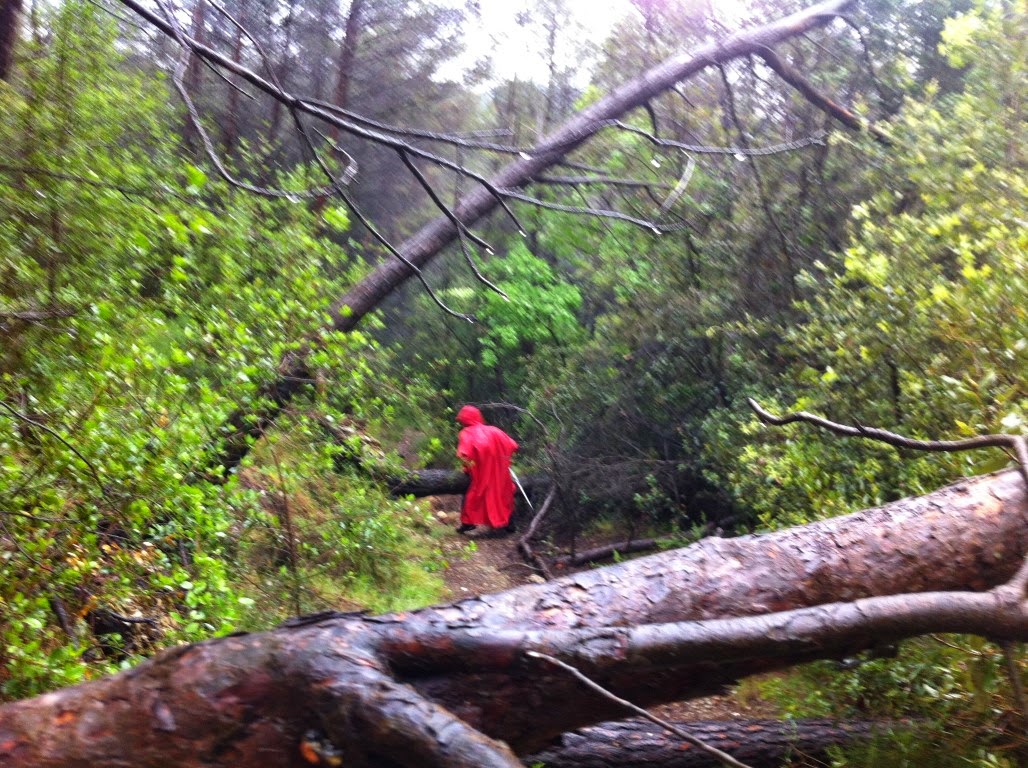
(493, 564)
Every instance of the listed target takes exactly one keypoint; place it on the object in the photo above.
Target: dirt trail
(493, 565)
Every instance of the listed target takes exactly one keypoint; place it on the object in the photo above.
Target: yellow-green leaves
(959, 38)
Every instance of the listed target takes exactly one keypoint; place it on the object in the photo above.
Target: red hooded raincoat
(486, 452)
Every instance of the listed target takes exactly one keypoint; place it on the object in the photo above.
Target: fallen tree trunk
(455, 685)
(429, 482)
(443, 482)
(586, 556)
(758, 743)
(249, 423)
(418, 482)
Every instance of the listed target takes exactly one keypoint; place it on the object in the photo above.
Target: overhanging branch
(1015, 443)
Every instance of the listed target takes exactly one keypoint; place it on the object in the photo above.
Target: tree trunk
(10, 18)
(607, 551)
(430, 482)
(757, 743)
(444, 685)
(347, 56)
(194, 69)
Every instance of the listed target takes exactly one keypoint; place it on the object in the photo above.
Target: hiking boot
(465, 527)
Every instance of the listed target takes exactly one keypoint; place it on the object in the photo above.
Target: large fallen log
(454, 685)
(429, 482)
(758, 743)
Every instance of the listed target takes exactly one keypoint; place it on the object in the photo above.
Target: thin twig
(724, 757)
(817, 139)
(758, 177)
(337, 187)
(96, 475)
(525, 542)
(597, 212)
(1017, 688)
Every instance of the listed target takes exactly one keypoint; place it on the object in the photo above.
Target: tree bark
(429, 482)
(758, 743)
(10, 18)
(453, 685)
(606, 551)
(347, 56)
(247, 424)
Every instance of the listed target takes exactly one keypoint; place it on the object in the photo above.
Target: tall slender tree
(10, 19)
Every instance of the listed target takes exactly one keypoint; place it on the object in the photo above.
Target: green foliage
(536, 319)
(323, 535)
(538, 311)
(920, 325)
(166, 299)
(949, 696)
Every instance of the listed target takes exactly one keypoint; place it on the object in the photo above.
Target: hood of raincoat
(469, 415)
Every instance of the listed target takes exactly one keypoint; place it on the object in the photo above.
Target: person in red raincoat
(485, 451)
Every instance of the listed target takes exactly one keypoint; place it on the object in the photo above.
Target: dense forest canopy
(200, 421)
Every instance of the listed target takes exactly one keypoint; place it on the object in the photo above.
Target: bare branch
(759, 180)
(171, 26)
(606, 181)
(337, 187)
(680, 188)
(53, 433)
(744, 150)
(724, 757)
(653, 226)
(443, 207)
(525, 542)
(453, 139)
(1016, 443)
(793, 77)
(884, 93)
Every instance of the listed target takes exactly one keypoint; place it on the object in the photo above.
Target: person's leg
(464, 527)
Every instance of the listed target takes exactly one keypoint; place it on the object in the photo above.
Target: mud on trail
(481, 563)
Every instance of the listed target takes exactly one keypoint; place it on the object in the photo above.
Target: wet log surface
(453, 685)
(758, 743)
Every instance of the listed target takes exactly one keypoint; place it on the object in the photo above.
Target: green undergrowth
(290, 535)
(942, 700)
(353, 547)
(169, 300)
